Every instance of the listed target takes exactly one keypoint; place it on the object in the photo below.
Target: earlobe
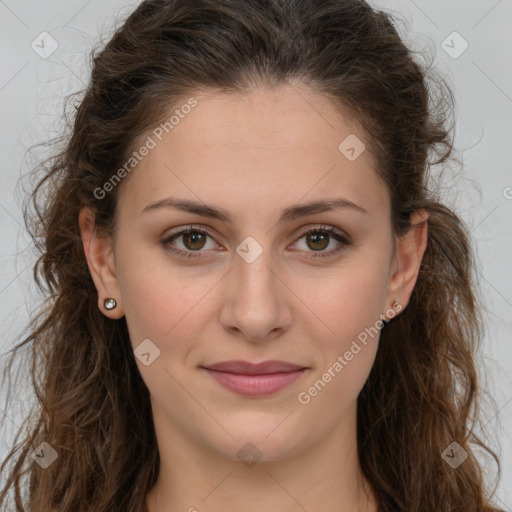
(100, 260)
(410, 249)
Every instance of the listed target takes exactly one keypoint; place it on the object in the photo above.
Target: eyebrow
(289, 214)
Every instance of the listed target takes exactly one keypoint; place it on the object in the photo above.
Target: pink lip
(255, 379)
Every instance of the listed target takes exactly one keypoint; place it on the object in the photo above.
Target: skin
(255, 155)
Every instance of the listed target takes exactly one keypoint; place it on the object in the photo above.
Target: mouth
(248, 379)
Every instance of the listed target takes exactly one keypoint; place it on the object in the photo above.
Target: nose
(256, 299)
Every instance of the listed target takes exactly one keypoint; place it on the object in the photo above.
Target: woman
(256, 299)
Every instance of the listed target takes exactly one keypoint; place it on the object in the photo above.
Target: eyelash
(329, 230)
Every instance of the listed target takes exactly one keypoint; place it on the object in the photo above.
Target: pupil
(319, 238)
(190, 239)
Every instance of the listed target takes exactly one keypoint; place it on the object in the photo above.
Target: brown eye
(317, 241)
(194, 240)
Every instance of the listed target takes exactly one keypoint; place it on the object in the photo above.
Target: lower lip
(255, 385)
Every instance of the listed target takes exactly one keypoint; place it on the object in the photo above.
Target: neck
(324, 476)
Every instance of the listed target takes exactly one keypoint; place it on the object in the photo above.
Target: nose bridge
(256, 303)
(253, 270)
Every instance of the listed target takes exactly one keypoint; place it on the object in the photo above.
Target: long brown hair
(93, 406)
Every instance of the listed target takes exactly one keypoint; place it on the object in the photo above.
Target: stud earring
(396, 307)
(110, 304)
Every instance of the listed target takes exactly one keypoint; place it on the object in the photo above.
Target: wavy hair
(92, 406)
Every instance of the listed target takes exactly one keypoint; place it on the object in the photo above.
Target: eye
(193, 239)
(317, 239)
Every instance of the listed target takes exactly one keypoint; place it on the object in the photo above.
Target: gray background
(31, 96)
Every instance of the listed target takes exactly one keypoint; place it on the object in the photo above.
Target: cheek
(159, 298)
(344, 361)
(348, 300)
(163, 305)
(349, 305)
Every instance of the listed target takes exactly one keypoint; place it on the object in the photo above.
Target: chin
(263, 442)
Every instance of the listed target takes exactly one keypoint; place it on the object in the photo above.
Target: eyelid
(343, 239)
(166, 241)
(190, 228)
(321, 227)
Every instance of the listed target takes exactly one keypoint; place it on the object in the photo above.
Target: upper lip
(245, 367)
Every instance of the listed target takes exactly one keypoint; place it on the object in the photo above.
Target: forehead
(257, 149)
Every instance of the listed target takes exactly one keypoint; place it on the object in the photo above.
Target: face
(258, 276)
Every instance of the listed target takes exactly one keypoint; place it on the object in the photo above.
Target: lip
(248, 368)
(249, 379)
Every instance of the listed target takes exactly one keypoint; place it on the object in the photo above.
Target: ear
(100, 259)
(407, 261)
